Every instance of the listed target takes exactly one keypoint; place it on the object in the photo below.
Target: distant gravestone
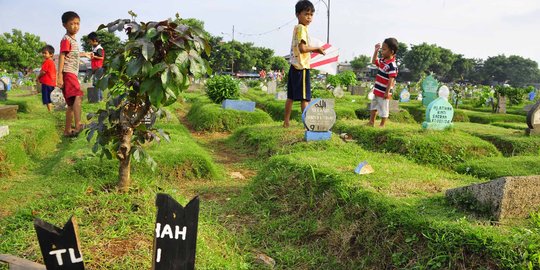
(239, 105)
(533, 120)
(243, 88)
(419, 98)
(58, 100)
(319, 117)
(8, 111)
(7, 82)
(4, 131)
(429, 90)
(404, 95)
(264, 88)
(60, 247)
(371, 96)
(281, 95)
(175, 234)
(439, 115)
(271, 87)
(504, 198)
(338, 92)
(358, 90)
(444, 92)
(532, 95)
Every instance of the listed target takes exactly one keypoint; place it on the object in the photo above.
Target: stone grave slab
(439, 115)
(504, 198)
(4, 131)
(239, 105)
(8, 111)
(271, 87)
(533, 120)
(429, 90)
(358, 90)
(318, 118)
(281, 95)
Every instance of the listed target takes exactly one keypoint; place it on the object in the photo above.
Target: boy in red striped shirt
(385, 80)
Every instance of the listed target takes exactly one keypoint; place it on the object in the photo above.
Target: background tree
(148, 73)
(403, 49)
(279, 63)
(514, 70)
(109, 41)
(360, 62)
(419, 58)
(20, 51)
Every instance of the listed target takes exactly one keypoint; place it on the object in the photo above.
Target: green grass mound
(403, 116)
(488, 118)
(440, 148)
(510, 142)
(520, 126)
(321, 215)
(211, 117)
(496, 167)
(30, 139)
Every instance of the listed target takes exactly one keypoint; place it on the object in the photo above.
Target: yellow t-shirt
(299, 60)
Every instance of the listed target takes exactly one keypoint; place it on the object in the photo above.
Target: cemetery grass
(56, 178)
(307, 195)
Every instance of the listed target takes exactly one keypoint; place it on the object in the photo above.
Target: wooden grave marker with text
(60, 247)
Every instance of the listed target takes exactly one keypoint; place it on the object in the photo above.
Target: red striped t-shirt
(387, 69)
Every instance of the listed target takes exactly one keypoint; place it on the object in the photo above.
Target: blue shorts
(46, 91)
(298, 84)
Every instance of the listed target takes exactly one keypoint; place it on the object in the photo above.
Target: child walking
(47, 76)
(385, 80)
(98, 56)
(68, 71)
(298, 84)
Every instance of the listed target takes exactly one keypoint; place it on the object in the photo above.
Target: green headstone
(429, 90)
(439, 115)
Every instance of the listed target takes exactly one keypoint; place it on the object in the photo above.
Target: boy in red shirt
(68, 71)
(98, 56)
(385, 80)
(47, 76)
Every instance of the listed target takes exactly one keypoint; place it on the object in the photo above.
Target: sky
(474, 28)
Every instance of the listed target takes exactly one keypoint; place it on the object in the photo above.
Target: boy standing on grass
(47, 76)
(68, 71)
(98, 56)
(298, 84)
(385, 80)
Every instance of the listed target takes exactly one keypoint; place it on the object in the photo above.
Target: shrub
(221, 87)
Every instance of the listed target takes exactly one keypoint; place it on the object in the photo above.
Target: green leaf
(182, 58)
(147, 68)
(156, 95)
(148, 50)
(134, 66)
(157, 68)
(166, 77)
(148, 85)
(151, 33)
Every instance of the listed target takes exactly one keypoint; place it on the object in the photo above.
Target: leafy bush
(253, 83)
(322, 94)
(222, 87)
(347, 78)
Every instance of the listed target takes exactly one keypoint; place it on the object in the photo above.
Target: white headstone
(272, 86)
(338, 92)
(281, 95)
(4, 131)
(57, 99)
(371, 96)
(444, 92)
(243, 88)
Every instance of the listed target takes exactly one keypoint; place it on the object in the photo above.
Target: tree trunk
(124, 156)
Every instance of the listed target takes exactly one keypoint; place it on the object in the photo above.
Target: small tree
(147, 74)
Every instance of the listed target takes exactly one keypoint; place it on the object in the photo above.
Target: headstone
(4, 131)
(404, 95)
(239, 105)
(358, 90)
(8, 111)
(60, 247)
(175, 234)
(93, 96)
(7, 82)
(281, 95)
(264, 88)
(338, 92)
(429, 90)
(533, 120)
(371, 96)
(319, 117)
(532, 95)
(444, 92)
(439, 115)
(504, 198)
(420, 97)
(243, 88)
(58, 100)
(272, 87)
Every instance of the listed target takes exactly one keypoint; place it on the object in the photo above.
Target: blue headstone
(429, 90)
(532, 95)
(404, 96)
(7, 82)
(240, 105)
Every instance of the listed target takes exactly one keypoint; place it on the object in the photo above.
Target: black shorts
(46, 91)
(298, 84)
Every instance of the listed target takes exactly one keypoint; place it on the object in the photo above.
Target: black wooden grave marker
(59, 247)
(176, 234)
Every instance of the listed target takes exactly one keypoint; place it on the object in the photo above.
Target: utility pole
(232, 56)
(328, 23)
